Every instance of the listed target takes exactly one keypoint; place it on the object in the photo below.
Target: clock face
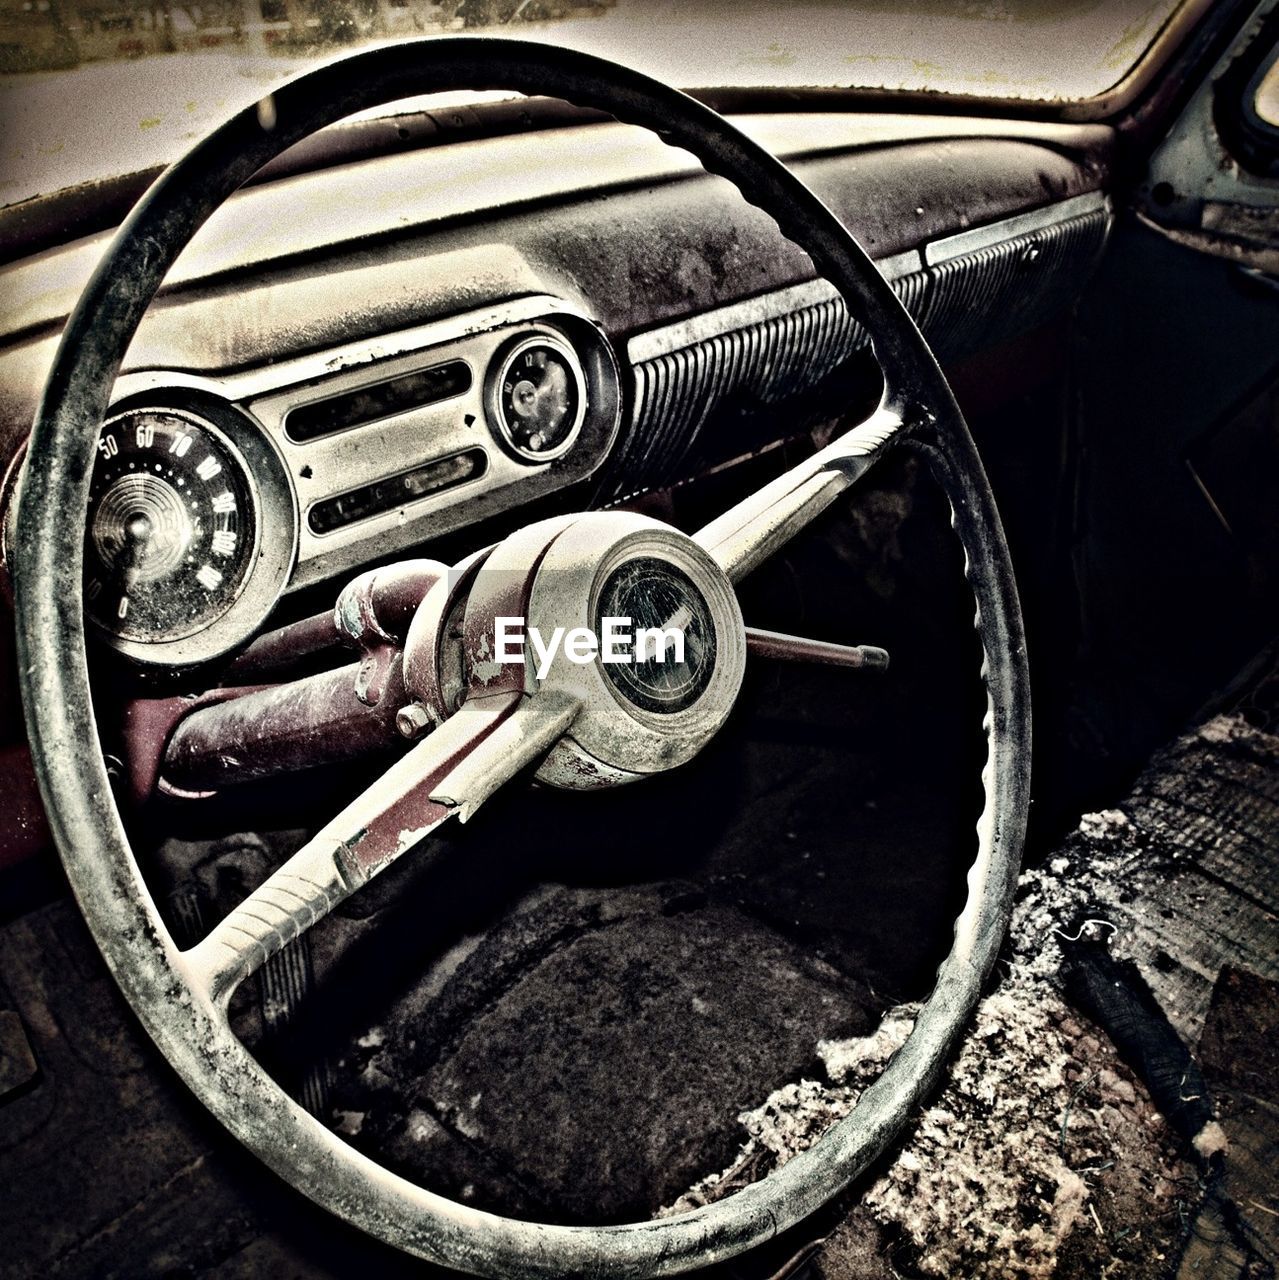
(540, 400)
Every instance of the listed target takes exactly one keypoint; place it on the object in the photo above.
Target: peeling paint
(410, 836)
(486, 672)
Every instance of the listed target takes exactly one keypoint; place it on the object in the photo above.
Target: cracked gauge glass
(673, 664)
(539, 399)
(171, 528)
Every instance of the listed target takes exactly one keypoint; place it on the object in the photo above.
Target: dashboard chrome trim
(975, 239)
(381, 449)
(655, 343)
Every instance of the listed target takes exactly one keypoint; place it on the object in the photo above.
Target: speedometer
(172, 526)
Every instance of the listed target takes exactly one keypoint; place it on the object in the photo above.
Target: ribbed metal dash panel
(769, 361)
(980, 287)
(1004, 289)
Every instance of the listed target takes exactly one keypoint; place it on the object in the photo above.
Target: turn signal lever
(786, 648)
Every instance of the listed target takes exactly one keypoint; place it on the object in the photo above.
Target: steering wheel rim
(47, 570)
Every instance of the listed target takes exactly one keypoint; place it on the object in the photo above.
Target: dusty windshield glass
(94, 88)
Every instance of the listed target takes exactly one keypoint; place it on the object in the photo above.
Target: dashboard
(351, 363)
(211, 496)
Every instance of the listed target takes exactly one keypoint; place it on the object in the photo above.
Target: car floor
(1045, 1153)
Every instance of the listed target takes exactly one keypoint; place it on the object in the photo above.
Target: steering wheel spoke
(449, 774)
(748, 533)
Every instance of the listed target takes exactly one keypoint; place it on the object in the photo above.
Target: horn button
(668, 656)
(660, 650)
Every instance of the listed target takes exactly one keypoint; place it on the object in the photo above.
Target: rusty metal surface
(96, 854)
(317, 720)
(278, 652)
(1201, 187)
(328, 717)
(139, 732)
(373, 613)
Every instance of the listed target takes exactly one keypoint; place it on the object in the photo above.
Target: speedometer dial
(172, 526)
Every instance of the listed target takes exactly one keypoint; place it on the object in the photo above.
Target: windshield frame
(1193, 35)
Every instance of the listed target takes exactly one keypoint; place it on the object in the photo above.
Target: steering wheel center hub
(630, 619)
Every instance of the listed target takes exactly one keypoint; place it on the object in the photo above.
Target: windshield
(97, 88)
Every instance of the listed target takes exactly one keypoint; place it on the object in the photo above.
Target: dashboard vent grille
(766, 362)
(1006, 288)
(966, 292)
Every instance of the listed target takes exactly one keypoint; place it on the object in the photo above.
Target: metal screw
(413, 720)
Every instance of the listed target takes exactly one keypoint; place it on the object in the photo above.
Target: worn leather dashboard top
(602, 215)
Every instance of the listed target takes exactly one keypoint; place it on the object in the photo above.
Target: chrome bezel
(622, 739)
(321, 468)
(273, 527)
(506, 357)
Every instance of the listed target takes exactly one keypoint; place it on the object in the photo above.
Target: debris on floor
(1040, 1130)
(1044, 1154)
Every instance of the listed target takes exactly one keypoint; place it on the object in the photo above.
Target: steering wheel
(577, 726)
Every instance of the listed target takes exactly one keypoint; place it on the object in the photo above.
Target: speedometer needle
(138, 531)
